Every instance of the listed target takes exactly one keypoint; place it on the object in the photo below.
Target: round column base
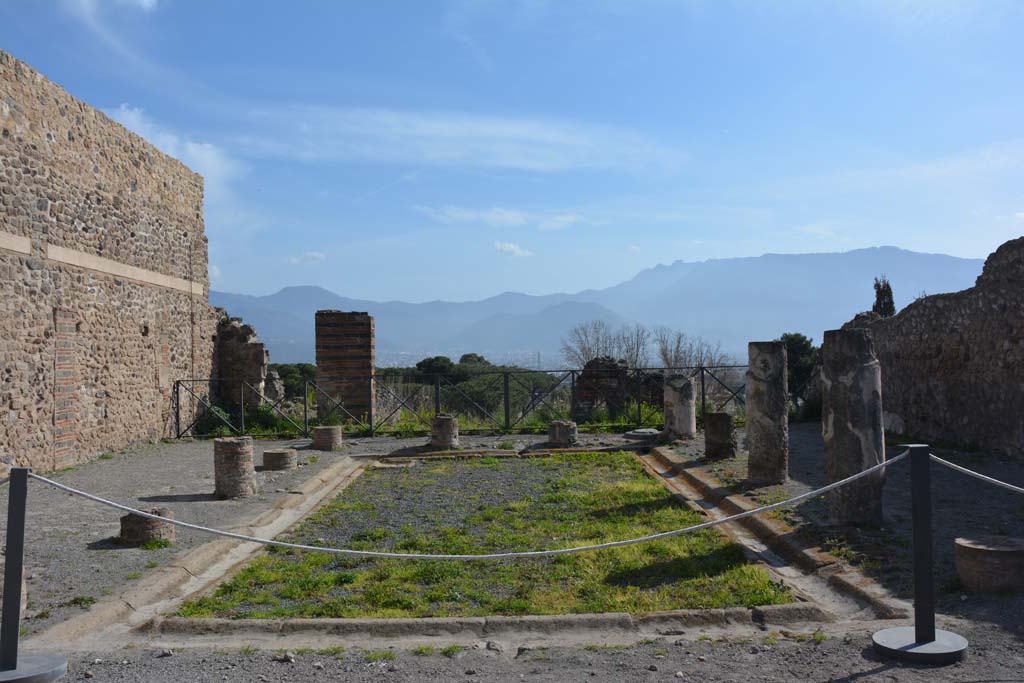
(36, 667)
(900, 643)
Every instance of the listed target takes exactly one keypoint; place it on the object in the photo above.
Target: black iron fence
(402, 401)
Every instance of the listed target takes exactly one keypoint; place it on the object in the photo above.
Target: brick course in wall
(346, 362)
(103, 278)
(953, 364)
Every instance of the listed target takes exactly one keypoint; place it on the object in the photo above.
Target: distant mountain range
(732, 301)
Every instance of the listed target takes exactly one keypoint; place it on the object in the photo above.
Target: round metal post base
(36, 667)
(900, 643)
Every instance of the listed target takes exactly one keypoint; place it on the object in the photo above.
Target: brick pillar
(65, 389)
(345, 362)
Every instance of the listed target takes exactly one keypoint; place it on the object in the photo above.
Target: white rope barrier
(976, 475)
(489, 556)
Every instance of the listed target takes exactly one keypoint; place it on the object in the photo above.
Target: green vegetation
(156, 544)
(106, 456)
(83, 601)
(379, 656)
(577, 500)
(884, 305)
(452, 650)
(423, 651)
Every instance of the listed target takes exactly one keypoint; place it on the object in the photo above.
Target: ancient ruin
(680, 407)
(720, 440)
(240, 365)
(444, 432)
(562, 433)
(103, 273)
(601, 383)
(136, 529)
(851, 425)
(345, 365)
(233, 467)
(328, 438)
(767, 413)
(953, 364)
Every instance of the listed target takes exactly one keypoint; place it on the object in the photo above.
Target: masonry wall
(345, 363)
(953, 364)
(103, 278)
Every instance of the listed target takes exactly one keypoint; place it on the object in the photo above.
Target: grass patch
(106, 456)
(83, 601)
(423, 651)
(379, 656)
(155, 544)
(550, 502)
(451, 650)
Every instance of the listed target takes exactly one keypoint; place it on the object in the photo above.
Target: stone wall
(240, 359)
(345, 363)
(953, 364)
(103, 278)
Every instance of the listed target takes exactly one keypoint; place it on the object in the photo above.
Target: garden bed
(486, 505)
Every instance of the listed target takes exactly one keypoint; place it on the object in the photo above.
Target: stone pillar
(280, 459)
(767, 413)
(345, 363)
(328, 438)
(444, 432)
(990, 564)
(851, 425)
(719, 436)
(136, 529)
(233, 469)
(562, 433)
(680, 408)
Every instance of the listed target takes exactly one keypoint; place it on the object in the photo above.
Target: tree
(801, 357)
(884, 306)
(586, 341)
(473, 359)
(436, 365)
(676, 349)
(633, 342)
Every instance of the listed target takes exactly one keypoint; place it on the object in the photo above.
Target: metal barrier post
(305, 408)
(241, 408)
(922, 642)
(703, 399)
(437, 394)
(177, 409)
(32, 667)
(508, 404)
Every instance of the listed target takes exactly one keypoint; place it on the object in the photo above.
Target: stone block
(680, 407)
(562, 433)
(720, 440)
(990, 564)
(233, 467)
(136, 529)
(444, 432)
(280, 459)
(330, 438)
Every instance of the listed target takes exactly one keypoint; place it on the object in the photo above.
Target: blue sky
(450, 149)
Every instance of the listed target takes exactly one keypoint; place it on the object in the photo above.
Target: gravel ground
(387, 445)
(994, 657)
(961, 506)
(71, 557)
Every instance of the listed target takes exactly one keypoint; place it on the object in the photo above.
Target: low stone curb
(781, 538)
(663, 623)
(172, 581)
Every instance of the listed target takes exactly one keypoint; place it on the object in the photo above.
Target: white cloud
(500, 217)
(319, 133)
(511, 249)
(558, 222)
(496, 217)
(213, 163)
(307, 257)
(214, 271)
(1019, 215)
(634, 248)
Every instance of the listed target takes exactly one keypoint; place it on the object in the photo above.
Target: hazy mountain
(728, 300)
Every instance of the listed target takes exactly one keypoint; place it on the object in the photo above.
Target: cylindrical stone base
(719, 436)
(851, 425)
(136, 530)
(280, 459)
(233, 470)
(444, 432)
(562, 433)
(990, 564)
(680, 408)
(767, 413)
(328, 438)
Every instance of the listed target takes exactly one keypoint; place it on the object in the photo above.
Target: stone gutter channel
(826, 590)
